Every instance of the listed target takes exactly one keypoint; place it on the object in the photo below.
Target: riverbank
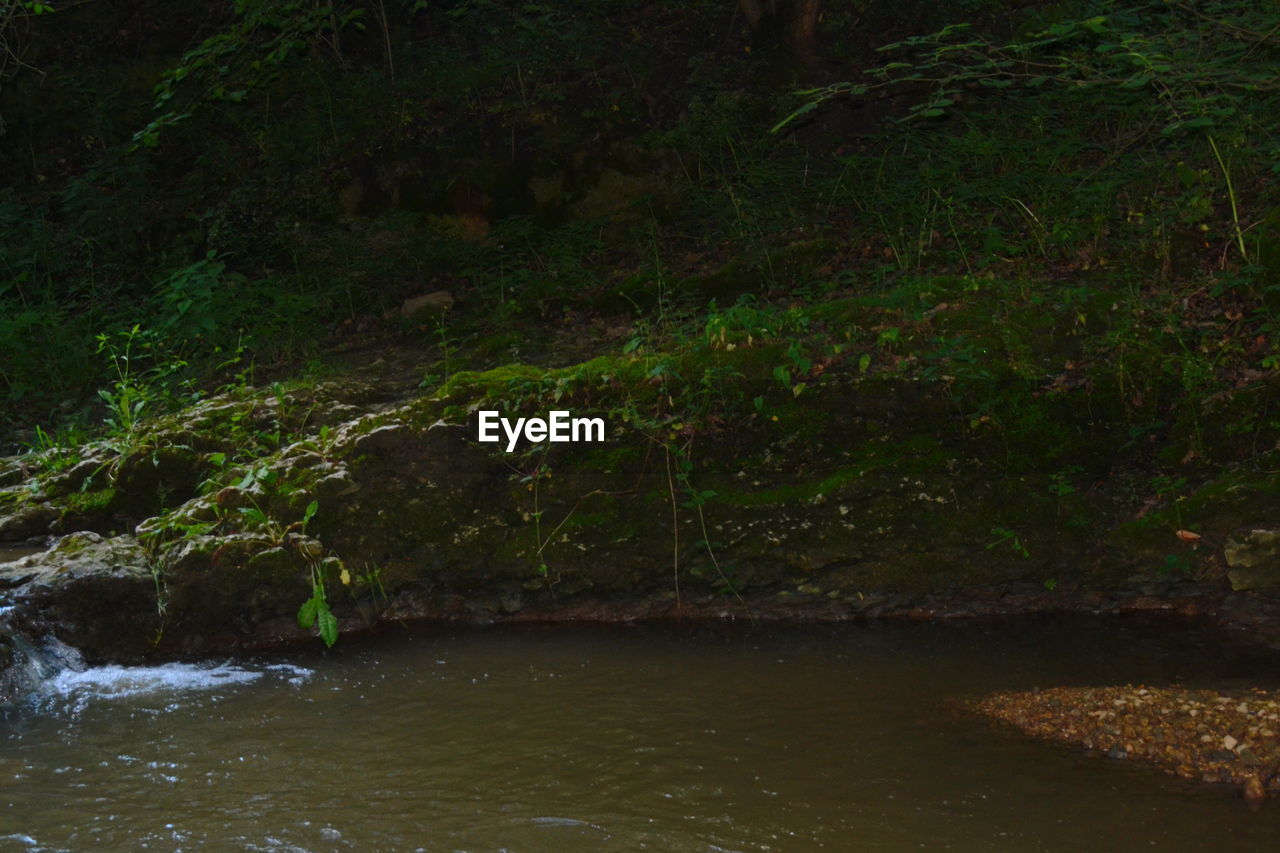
(865, 486)
(1216, 736)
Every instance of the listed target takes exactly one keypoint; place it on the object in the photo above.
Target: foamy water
(170, 680)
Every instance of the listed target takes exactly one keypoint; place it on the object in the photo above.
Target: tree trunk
(755, 11)
(795, 21)
(802, 32)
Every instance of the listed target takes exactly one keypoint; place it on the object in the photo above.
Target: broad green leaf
(804, 108)
(307, 612)
(254, 514)
(328, 625)
(1095, 25)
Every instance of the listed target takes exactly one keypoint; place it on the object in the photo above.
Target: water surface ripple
(702, 738)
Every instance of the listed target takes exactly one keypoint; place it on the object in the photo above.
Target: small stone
(1254, 790)
(1228, 742)
(1243, 708)
(434, 303)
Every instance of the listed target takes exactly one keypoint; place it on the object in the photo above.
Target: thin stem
(1231, 193)
(675, 526)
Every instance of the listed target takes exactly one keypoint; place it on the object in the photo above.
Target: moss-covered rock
(99, 594)
(948, 458)
(1254, 560)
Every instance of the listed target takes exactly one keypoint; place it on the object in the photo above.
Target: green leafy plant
(145, 374)
(1006, 536)
(252, 53)
(1060, 482)
(129, 394)
(56, 452)
(1180, 62)
(315, 610)
(274, 529)
(748, 320)
(1170, 488)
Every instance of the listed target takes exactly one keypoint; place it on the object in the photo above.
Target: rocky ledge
(228, 525)
(1230, 736)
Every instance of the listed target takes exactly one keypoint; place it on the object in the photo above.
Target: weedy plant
(315, 610)
(144, 376)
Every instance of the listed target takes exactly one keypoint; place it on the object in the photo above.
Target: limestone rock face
(863, 497)
(1254, 560)
(97, 593)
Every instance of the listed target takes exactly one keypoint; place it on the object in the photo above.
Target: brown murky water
(582, 739)
(17, 550)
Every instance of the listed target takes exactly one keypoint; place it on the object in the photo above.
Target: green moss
(609, 457)
(89, 502)
(498, 344)
(73, 544)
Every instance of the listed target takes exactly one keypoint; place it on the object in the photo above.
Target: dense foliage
(197, 191)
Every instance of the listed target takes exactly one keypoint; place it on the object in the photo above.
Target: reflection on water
(567, 739)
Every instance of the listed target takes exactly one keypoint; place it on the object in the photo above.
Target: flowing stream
(680, 738)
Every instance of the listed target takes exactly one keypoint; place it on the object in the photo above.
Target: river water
(17, 550)
(684, 738)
